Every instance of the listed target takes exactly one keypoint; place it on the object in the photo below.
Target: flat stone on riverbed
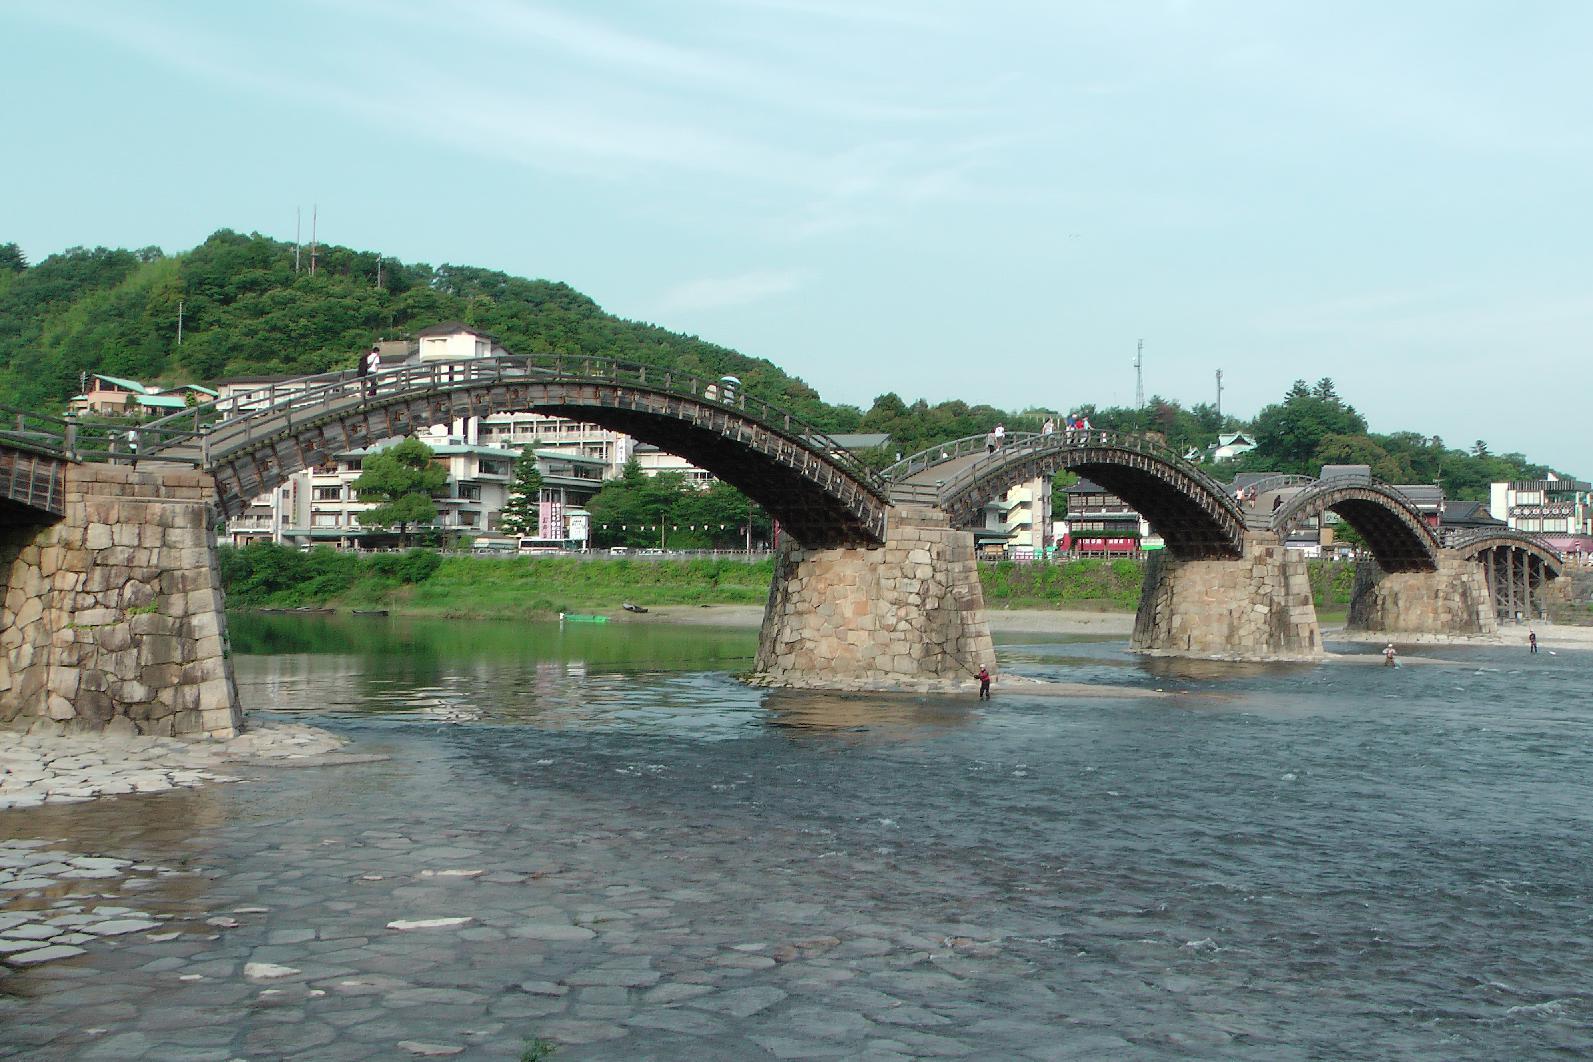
(267, 971)
(406, 924)
(742, 1002)
(552, 931)
(425, 1050)
(48, 953)
(118, 926)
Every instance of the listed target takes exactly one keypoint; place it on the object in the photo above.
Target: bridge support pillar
(908, 615)
(1454, 600)
(112, 617)
(1257, 607)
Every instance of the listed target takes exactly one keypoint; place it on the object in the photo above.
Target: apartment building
(1016, 524)
(1560, 510)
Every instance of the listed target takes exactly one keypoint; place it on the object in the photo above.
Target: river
(655, 861)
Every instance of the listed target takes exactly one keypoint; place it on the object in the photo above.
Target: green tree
(521, 513)
(12, 259)
(1289, 434)
(404, 479)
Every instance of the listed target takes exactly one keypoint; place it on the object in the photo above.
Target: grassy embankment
(425, 584)
(421, 583)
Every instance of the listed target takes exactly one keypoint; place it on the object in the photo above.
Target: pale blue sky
(985, 201)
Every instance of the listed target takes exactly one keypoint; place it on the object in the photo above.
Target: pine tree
(521, 513)
(404, 480)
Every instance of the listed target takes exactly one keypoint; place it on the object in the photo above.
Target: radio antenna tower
(1139, 376)
(315, 213)
(1219, 392)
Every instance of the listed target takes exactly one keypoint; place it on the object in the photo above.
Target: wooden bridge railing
(194, 434)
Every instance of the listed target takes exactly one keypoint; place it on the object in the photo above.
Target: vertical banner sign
(550, 519)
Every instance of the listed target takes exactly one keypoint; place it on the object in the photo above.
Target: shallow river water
(1339, 861)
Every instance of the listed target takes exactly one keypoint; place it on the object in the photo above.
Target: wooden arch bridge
(112, 601)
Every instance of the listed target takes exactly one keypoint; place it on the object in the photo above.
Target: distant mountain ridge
(245, 310)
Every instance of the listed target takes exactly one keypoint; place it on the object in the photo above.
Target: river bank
(1002, 621)
(422, 583)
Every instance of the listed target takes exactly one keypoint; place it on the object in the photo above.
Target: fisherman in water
(1388, 656)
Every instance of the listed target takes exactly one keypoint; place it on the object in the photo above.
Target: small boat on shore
(370, 612)
(308, 610)
(638, 609)
(576, 617)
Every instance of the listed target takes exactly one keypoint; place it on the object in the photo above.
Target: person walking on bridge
(371, 364)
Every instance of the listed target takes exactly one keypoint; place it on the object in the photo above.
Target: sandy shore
(1037, 621)
(1121, 624)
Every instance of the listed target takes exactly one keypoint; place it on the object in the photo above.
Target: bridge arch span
(1475, 546)
(1394, 531)
(1193, 513)
(821, 496)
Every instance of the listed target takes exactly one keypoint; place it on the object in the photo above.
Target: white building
(652, 461)
(1230, 444)
(454, 341)
(1016, 523)
(321, 504)
(1560, 510)
(543, 432)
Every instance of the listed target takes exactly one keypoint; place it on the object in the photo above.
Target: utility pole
(298, 227)
(1139, 376)
(1219, 392)
(315, 213)
(179, 322)
(378, 271)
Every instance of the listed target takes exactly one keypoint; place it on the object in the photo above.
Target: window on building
(468, 492)
(329, 493)
(468, 518)
(324, 520)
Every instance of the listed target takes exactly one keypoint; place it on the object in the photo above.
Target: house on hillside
(117, 396)
(454, 341)
(1229, 445)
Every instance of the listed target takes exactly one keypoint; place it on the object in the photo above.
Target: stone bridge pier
(112, 616)
(1452, 600)
(907, 615)
(1254, 607)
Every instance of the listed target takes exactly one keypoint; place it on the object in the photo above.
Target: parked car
(653, 552)
(618, 551)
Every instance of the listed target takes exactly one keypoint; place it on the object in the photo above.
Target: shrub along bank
(423, 582)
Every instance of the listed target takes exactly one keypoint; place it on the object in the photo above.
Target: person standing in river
(1388, 656)
(984, 683)
(1532, 640)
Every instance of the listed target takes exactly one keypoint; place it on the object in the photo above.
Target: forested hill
(246, 311)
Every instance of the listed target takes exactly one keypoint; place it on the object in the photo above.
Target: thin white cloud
(717, 293)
